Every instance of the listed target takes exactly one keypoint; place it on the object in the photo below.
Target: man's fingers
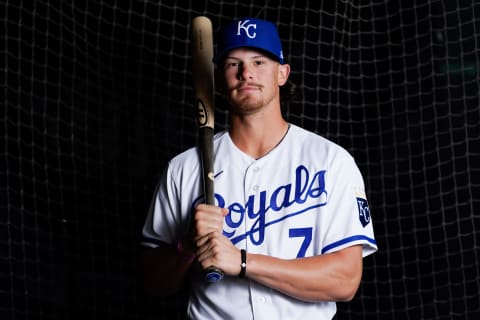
(211, 209)
(205, 239)
(209, 219)
(208, 245)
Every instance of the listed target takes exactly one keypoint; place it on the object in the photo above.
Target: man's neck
(257, 137)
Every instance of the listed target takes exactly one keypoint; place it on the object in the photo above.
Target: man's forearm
(329, 277)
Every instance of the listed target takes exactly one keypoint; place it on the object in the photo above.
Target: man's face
(252, 80)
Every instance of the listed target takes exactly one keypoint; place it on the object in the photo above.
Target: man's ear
(283, 73)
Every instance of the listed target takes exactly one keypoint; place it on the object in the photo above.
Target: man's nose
(245, 72)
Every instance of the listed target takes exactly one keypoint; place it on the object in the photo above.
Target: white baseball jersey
(304, 198)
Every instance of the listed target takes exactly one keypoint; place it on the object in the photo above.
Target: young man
(291, 221)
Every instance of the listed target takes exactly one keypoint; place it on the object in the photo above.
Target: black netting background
(97, 95)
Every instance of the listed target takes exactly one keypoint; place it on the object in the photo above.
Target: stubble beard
(247, 104)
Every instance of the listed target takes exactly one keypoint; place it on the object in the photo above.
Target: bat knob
(213, 275)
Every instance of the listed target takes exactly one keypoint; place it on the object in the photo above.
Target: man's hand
(213, 248)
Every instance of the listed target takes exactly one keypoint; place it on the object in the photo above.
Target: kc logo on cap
(249, 33)
(242, 25)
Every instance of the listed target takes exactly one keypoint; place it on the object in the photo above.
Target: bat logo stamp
(202, 113)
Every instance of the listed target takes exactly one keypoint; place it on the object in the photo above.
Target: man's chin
(248, 102)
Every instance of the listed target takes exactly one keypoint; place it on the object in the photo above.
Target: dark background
(97, 96)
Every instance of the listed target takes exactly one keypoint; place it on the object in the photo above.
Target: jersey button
(255, 188)
(262, 299)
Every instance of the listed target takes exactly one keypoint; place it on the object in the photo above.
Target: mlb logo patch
(363, 211)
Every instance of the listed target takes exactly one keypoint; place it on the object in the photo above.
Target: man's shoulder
(187, 159)
(315, 139)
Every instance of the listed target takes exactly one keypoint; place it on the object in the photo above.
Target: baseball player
(291, 222)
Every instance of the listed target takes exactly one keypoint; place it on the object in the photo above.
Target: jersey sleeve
(163, 218)
(348, 220)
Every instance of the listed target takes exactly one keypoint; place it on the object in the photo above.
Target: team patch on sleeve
(363, 211)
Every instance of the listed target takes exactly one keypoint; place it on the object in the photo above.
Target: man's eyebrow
(259, 56)
(231, 58)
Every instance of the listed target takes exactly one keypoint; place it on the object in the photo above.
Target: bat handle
(213, 274)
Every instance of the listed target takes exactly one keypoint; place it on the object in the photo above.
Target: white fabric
(306, 197)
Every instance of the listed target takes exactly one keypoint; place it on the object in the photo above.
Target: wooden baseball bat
(203, 79)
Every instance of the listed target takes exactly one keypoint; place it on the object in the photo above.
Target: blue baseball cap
(252, 33)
